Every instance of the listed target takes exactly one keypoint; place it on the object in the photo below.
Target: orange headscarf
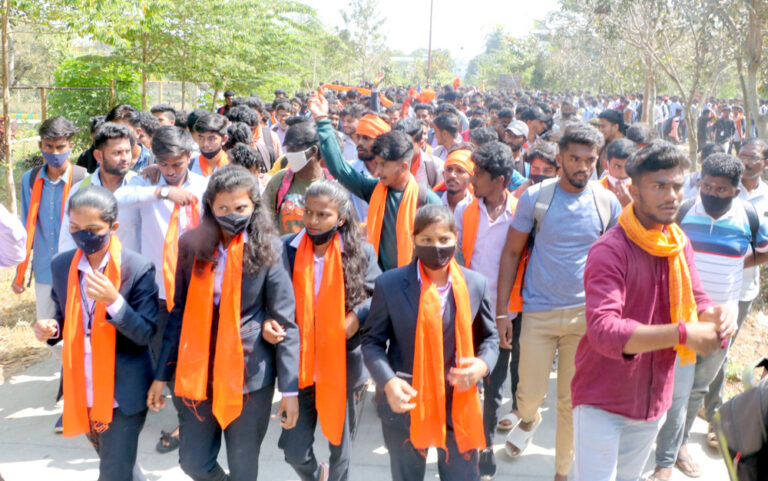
(406, 214)
(428, 418)
(34, 208)
(322, 327)
(207, 166)
(462, 158)
(194, 344)
(372, 126)
(171, 249)
(669, 243)
(76, 419)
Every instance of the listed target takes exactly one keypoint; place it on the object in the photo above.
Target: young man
(720, 229)
(574, 215)
(350, 118)
(483, 226)
(44, 192)
(725, 129)
(542, 159)
(149, 125)
(616, 179)
(459, 169)
(612, 127)
(643, 295)
(229, 97)
(446, 129)
(536, 120)
(165, 113)
(127, 115)
(426, 168)
(392, 198)
(252, 117)
(281, 110)
(515, 135)
(210, 133)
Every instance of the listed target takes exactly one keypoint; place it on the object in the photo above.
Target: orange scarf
(428, 418)
(34, 209)
(322, 327)
(208, 166)
(171, 249)
(194, 344)
(668, 243)
(470, 222)
(103, 335)
(406, 213)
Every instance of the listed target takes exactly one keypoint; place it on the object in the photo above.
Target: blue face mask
(90, 243)
(56, 160)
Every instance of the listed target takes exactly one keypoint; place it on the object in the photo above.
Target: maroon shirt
(626, 287)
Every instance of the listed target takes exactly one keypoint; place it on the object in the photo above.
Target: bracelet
(682, 333)
(320, 117)
(503, 316)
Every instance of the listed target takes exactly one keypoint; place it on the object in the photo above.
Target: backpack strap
(33, 176)
(543, 201)
(684, 208)
(603, 203)
(754, 224)
(431, 169)
(285, 186)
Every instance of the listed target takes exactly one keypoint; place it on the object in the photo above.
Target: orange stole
(207, 166)
(406, 213)
(171, 250)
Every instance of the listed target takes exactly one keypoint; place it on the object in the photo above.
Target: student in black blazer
(103, 325)
(403, 303)
(234, 224)
(329, 223)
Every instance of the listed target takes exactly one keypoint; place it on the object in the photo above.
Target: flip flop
(167, 442)
(512, 420)
(520, 439)
(683, 460)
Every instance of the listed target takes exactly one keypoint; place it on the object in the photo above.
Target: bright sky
(460, 27)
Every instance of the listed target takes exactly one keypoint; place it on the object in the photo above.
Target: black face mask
(537, 178)
(434, 257)
(716, 206)
(212, 154)
(234, 223)
(323, 237)
(90, 243)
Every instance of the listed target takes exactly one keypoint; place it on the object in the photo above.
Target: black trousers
(493, 384)
(156, 344)
(117, 445)
(200, 438)
(297, 443)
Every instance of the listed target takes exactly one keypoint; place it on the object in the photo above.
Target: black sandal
(167, 443)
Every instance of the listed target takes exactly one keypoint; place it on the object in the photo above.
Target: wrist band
(682, 334)
(503, 316)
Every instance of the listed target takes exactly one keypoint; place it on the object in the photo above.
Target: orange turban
(372, 126)
(462, 158)
(427, 96)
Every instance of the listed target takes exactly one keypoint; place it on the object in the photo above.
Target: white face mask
(297, 160)
(614, 181)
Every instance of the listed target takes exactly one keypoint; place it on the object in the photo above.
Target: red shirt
(626, 287)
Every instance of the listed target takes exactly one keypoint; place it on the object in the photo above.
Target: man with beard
(567, 114)
(612, 127)
(459, 168)
(367, 129)
(536, 120)
(350, 117)
(515, 136)
(566, 216)
(425, 167)
(503, 118)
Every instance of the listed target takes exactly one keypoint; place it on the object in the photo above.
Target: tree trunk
(6, 113)
(753, 46)
(693, 144)
(649, 93)
(183, 91)
(213, 102)
(143, 89)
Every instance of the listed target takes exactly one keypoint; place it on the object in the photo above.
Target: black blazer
(135, 324)
(357, 374)
(390, 330)
(267, 294)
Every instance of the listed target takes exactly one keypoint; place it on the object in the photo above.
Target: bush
(91, 71)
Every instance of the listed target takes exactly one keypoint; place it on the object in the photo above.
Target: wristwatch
(164, 192)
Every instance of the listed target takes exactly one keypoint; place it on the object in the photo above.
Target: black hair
(394, 146)
(451, 96)
(580, 133)
(280, 92)
(495, 105)
(480, 111)
(448, 123)
(615, 117)
(506, 113)
(149, 123)
(57, 128)
(427, 107)
(356, 110)
(432, 214)
(641, 133)
(301, 135)
(353, 259)
(760, 143)
(546, 151)
(657, 155)
(238, 133)
(413, 127)
(476, 123)
(723, 165)
(96, 197)
(620, 149)
(281, 104)
(112, 130)
(95, 122)
(181, 119)
(193, 117)
(229, 93)
(215, 123)
(261, 248)
(170, 141)
(254, 103)
(446, 108)
(483, 135)
(242, 113)
(494, 158)
(353, 94)
(711, 148)
(124, 112)
(246, 156)
(165, 110)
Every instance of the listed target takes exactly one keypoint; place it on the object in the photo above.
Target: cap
(518, 127)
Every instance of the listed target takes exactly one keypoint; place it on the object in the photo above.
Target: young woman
(106, 306)
(333, 271)
(429, 338)
(229, 283)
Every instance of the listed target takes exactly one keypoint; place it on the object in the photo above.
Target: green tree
(364, 38)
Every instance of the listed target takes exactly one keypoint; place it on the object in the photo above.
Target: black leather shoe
(487, 464)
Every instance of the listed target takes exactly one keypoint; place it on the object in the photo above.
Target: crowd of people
(442, 244)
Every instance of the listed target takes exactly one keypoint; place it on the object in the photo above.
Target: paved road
(30, 451)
